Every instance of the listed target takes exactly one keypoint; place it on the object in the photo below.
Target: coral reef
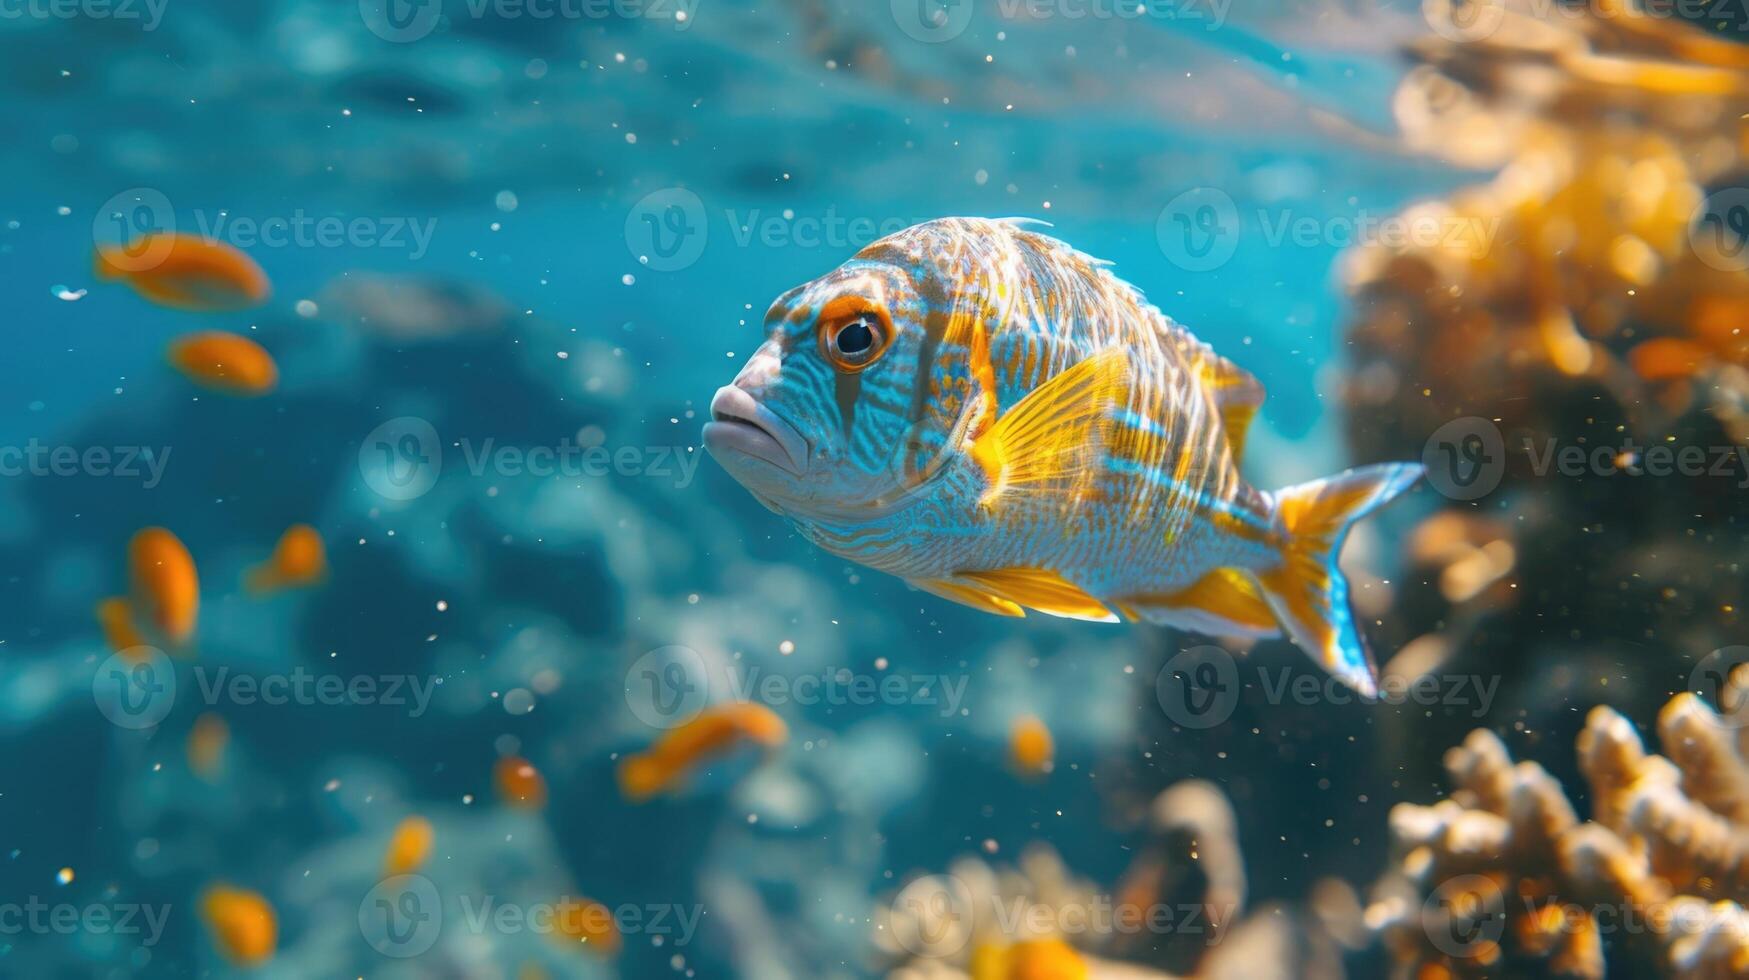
(1571, 333)
(1504, 879)
(1179, 912)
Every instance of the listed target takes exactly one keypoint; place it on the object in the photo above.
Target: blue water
(821, 110)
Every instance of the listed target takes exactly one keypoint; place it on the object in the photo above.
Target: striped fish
(993, 416)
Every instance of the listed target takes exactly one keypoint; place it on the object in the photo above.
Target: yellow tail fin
(1307, 590)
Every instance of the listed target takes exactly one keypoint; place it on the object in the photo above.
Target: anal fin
(1225, 602)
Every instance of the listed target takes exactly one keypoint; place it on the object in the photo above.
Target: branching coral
(1183, 899)
(1589, 298)
(1594, 257)
(1504, 876)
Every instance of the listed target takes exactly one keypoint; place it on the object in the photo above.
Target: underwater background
(501, 233)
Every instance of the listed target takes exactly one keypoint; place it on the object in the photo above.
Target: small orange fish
(1668, 358)
(165, 586)
(408, 847)
(298, 560)
(1030, 746)
(225, 362)
(519, 783)
(116, 616)
(186, 272)
(244, 926)
(665, 764)
(206, 744)
(587, 922)
(1033, 959)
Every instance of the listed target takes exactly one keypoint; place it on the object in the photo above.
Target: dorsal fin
(1237, 395)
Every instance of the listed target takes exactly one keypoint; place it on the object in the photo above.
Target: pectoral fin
(968, 595)
(1043, 590)
(1225, 602)
(1053, 438)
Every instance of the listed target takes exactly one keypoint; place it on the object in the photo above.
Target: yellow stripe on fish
(993, 416)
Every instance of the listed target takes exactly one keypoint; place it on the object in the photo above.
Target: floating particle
(1031, 749)
(519, 783)
(306, 308)
(505, 201)
(66, 294)
(64, 876)
(787, 647)
(185, 272)
(225, 362)
(628, 279)
(666, 764)
(409, 846)
(166, 588)
(518, 701)
(298, 560)
(245, 929)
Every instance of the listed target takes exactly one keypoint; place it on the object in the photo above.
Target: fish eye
(857, 336)
(853, 336)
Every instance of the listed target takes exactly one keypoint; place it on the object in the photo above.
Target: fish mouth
(741, 427)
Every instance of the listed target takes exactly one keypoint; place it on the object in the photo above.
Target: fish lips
(742, 429)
